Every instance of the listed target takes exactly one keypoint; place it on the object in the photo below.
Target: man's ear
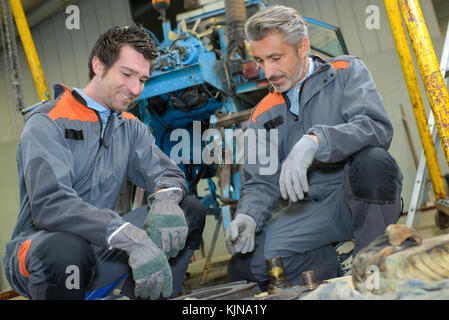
(303, 48)
(97, 66)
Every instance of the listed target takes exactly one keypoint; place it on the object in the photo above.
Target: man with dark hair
(108, 46)
(74, 155)
(334, 168)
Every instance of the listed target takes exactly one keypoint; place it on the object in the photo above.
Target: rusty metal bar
(429, 68)
(415, 97)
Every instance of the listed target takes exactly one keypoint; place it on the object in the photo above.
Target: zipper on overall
(102, 130)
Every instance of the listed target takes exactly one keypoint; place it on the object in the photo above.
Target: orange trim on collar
(68, 107)
(340, 64)
(271, 100)
(128, 116)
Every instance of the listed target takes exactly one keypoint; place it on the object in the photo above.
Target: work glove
(240, 234)
(166, 224)
(293, 179)
(150, 267)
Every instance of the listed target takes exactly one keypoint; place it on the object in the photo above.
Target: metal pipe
(30, 50)
(415, 97)
(429, 68)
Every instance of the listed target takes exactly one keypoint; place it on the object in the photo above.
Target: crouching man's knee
(61, 267)
(195, 213)
(375, 176)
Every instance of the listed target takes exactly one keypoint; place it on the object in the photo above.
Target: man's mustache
(274, 78)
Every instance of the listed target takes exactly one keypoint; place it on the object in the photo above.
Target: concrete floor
(427, 224)
(217, 274)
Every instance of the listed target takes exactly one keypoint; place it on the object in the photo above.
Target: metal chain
(14, 79)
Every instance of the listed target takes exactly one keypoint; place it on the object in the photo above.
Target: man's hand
(293, 179)
(165, 223)
(150, 267)
(240, 234)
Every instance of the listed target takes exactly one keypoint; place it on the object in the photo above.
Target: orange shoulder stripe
(128, 116)
(22, 254)
(69, 108)
(271, 100)
(340, 64)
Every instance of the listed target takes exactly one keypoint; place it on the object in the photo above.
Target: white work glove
(293, 179)
(240, 234)
(149, 265)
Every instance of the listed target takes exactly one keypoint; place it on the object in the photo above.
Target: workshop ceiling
(28, 5)
(38, 10)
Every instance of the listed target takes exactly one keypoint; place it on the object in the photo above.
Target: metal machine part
(243, 290)
(442, 215)
(309, 280)
(295, 292)
(229, 291)
(235, 20)
(276, 275)
(161, 6)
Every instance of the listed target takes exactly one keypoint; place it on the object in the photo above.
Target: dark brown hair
(108, 46)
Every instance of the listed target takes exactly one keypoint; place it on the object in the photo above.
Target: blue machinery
(204, 78)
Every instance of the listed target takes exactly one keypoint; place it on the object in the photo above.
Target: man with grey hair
(334, 168)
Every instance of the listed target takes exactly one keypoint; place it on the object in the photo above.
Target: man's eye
(126, 74)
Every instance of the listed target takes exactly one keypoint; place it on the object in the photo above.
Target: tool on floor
(229, 291)
(276, 275)
(309, 279)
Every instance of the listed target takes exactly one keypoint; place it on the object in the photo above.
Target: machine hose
(236, 17)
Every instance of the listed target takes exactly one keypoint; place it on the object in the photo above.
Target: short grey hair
(284, 20)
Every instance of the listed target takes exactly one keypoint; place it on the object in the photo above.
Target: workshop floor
(217, 274)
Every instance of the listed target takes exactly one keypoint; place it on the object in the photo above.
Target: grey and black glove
(240, 234)
(166, 224)
(149, 265)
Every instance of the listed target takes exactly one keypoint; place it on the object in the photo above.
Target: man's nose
(267, 70)
(135, 87)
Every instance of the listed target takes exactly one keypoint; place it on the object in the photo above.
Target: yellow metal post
(419, 111)
(429, 68)
(30, 50)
